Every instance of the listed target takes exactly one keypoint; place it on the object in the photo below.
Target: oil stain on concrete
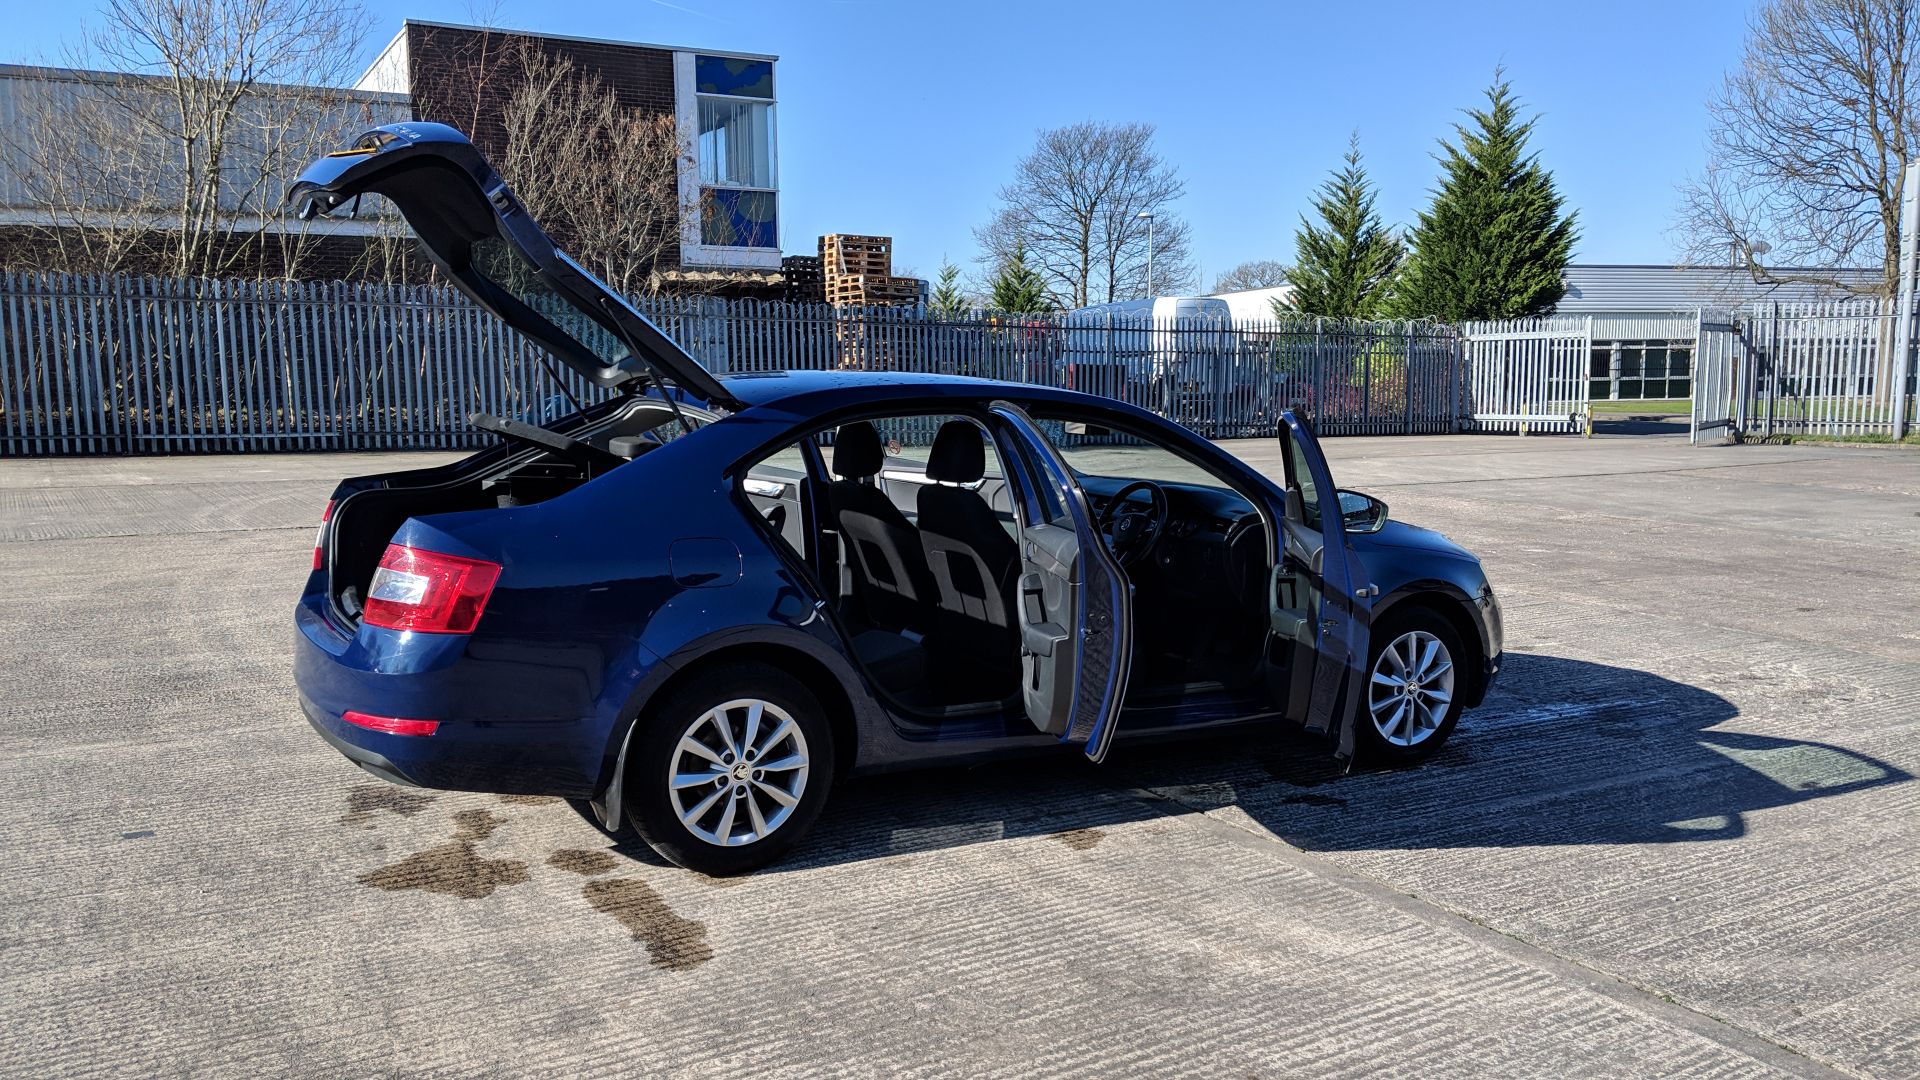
(673, 942)
(1079, 839)
(529, 800)
(454, 868)
(576, 861)
(364, 801)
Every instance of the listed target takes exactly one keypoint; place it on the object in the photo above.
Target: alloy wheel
(1411, 688)
(737, 772)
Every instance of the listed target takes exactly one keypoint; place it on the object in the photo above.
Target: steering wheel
(1133, 531)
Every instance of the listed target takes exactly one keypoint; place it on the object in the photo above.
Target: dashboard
(1214, 541)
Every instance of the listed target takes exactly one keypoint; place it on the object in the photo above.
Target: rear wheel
(1413, 676)
(732, 770)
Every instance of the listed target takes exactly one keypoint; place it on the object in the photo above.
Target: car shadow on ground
(1563, 752)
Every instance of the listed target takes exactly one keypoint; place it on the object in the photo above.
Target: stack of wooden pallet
(805, 284)
(858, 271)
(865, 290)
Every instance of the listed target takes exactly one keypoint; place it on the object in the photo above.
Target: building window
(733, 217)
(733, 78)
(1640, 370)
(739, 179)
(736, 143)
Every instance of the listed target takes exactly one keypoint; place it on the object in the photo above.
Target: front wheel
(1413, 676)
(733, 769)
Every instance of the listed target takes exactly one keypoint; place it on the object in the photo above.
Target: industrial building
(1645, 317)
(723, 104)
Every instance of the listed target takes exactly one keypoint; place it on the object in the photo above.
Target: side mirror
(1362, 513)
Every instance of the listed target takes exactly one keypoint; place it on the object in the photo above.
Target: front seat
(891, 583)
(974, 560)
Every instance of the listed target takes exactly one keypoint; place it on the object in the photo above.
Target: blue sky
(904, 118)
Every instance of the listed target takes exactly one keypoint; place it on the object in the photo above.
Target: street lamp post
(1148, 214)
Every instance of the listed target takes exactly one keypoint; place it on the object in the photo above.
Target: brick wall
(465, 77)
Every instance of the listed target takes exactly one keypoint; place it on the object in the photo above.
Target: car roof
(775, 387)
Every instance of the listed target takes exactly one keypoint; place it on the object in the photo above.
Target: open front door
(1320, 600)
(1075, 603)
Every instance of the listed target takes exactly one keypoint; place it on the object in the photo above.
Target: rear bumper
(359, 755)
(507, 725)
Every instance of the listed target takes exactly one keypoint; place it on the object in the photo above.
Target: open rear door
(1075, 603)
(463, 212)
(1319, 599)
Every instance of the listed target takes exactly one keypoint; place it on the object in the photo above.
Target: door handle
(1041, 640)
(1366, 591)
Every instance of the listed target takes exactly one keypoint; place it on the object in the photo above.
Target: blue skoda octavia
(699, 603)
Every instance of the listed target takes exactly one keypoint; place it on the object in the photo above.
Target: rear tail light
(428, 591)
(392, 725)
(321, 536)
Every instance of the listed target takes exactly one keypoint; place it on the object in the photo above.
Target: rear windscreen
(500, 263)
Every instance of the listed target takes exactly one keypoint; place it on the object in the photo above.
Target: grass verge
(1842, 440)
(1638, 407)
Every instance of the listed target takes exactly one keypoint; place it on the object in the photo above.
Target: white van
(1150, 352)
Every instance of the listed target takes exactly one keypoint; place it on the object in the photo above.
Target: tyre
(1413, 678)
(732, 769)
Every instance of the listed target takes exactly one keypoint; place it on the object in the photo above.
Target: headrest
(857, 453)
(958, 455)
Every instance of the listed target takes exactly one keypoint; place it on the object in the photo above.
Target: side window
(1302, 478)
(777, 487)
(1043, 498)
(1092, 450)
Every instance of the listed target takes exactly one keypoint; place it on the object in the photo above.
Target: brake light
(325, 516)
(428, 591)
(392, 725)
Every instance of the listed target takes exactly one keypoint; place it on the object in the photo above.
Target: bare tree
(605, 179)
(1808, 138)
(476, 73)
(226, 112)
(1086, 203)
(1254, 274)
(176, 154)
(76, 157)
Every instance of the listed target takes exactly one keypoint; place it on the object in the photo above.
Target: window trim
(694, 250)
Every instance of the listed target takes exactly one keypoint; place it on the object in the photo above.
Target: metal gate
(1720, 360)
(1529, 375)
(1833, 368)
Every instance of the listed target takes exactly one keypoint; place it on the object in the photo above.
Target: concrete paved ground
(1680, 839)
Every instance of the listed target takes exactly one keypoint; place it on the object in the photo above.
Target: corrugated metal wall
(32, 97)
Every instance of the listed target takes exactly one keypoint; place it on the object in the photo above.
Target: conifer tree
(1018, 288)
(1344, 265)
(949, 300)
(1494, 242)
